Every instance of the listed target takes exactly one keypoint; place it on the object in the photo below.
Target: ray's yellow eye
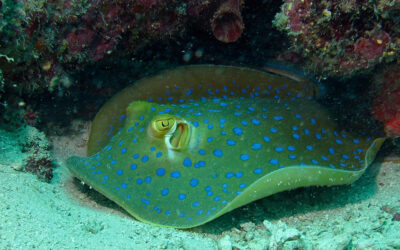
(174, 130)
(162, 124)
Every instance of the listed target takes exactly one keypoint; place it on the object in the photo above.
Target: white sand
(65, 215)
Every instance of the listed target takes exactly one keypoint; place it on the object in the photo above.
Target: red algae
(386, 105)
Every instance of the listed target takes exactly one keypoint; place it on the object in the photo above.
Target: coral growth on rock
(342, 37)
(42, 167)
(26, 149)
(44, 43)
(47, 40)
(37, 154)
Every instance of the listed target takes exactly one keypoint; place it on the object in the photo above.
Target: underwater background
(62, 60)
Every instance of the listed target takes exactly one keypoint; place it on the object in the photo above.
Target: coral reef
(386, 105)
(47, 40)
(44, 44)
(342, 37)
(42, 168)
(38, 159)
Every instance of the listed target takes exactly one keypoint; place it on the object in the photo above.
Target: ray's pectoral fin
(373, 150)
(75, 165)
(134, 113)
(174, 130)
(73, 162)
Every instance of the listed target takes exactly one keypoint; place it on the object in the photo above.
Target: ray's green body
(239, 150)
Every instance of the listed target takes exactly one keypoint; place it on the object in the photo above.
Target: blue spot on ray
(296, 136)
(164, 192)
(274, 161)
(182, 196)
(147, 179)
(229, 175)
(160, 171)
(255, 121)
(187, 162)
(194, 182)
(244, 157)
(257, 171)
(237, 131)
(145, 158)
(218, 152)
(175, 174)
(230, 142)
(239, 174)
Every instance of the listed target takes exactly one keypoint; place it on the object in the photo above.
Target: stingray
(186, 146)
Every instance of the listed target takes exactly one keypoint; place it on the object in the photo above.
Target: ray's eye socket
(160, 126)
(174, 130)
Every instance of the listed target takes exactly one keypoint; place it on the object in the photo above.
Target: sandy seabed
(64, 214)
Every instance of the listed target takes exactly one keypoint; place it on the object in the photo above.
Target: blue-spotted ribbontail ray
(215, 146)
